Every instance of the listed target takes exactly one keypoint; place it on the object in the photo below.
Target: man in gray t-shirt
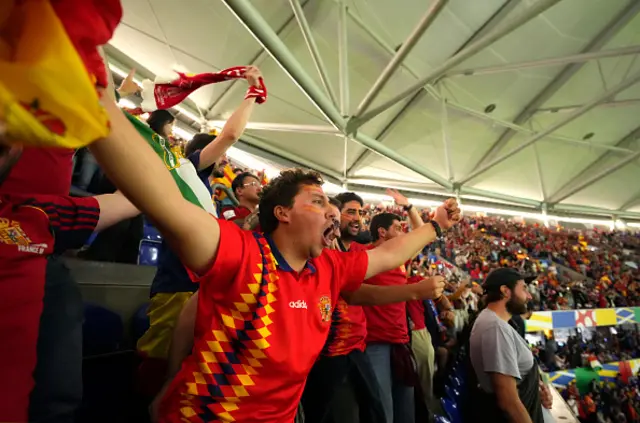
(507, 375)
(496, 347)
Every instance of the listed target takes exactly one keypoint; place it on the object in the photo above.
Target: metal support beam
(627, 141)
(600, 40)
(313, 49)
(607, 104)
(214, 109)
(553, 61)
(543, 189)
(401, 54)
(343, 63)
(595, 178)
(343, 58)
(284, 127)
(635, 200)
(263, 145)
(445, 139)
(559, 124)
(380, 148)
(517, 21)
(249, 16)
(487, 27)
(381, 135)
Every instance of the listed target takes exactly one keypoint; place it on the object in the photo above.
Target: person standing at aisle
(387, 339)
(507, 374)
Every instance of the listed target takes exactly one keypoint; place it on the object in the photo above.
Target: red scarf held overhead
(169, 94)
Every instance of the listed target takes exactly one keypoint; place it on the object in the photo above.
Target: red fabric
(40, 171)
(90, 24)
(31, 228)
(387, 323)
(169, 94)
(415, 308)
(259, 329)
(348, 324)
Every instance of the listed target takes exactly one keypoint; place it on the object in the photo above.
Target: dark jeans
(58, 374)
(343, 389)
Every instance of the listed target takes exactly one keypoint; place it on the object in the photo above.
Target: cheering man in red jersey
(265, 301)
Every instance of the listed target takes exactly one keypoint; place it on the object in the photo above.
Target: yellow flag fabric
(47, 98)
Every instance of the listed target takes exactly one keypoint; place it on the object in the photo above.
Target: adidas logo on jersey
(298, 304)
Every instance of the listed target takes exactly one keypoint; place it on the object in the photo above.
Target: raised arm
(414, 216)
(139, 173)
(395, 252)
(428, 288)
(235, 126)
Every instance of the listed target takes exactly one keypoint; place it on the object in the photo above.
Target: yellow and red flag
(48, 91)
(226, 180)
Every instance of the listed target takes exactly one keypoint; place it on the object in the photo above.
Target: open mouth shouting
(331, 233)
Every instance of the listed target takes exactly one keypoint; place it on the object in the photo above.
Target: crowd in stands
(606, 402)
(257, 312)
(603, 346)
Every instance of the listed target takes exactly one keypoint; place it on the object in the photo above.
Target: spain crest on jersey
(325, 308)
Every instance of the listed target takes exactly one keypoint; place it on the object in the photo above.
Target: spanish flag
(47, 95)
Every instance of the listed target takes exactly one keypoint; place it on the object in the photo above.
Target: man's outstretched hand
(448, 214)
(430, 288)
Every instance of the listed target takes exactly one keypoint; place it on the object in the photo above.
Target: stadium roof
(534, 103)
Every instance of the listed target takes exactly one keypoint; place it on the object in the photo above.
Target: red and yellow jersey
(388, 323)
(31, 228)
(260, 327)
(348, 324)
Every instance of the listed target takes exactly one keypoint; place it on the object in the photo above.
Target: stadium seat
(441, 419)
(148, 253)
(102, 330)
(151, 233)
(450, 407)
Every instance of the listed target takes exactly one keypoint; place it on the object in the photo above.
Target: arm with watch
(395, 252)
(414, 216)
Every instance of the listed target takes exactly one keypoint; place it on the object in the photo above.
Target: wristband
(436, 227)
(407, 207)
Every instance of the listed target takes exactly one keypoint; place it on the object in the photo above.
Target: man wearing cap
(507, 375)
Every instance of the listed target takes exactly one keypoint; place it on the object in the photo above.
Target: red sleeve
(349, 269)
(234, 244)
(72, 219)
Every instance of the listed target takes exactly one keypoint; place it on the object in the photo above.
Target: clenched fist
(448, 214)
(430, 288)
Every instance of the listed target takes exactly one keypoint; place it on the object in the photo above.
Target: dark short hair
(281, 191)
(198, 142)
(384, 221)
(158, 118)
(347, 197)
(494, 294)
(335, 202)
(238, 181)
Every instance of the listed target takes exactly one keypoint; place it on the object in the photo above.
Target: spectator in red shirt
(387, 331)
(246, 187)
(33, 227)
(265, 301)
(342, 385)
